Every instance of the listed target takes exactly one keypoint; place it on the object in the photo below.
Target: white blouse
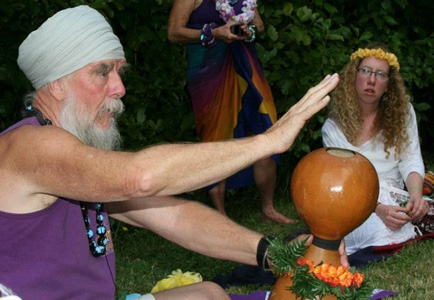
(391, 172)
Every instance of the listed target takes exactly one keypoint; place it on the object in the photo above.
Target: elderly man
(59, 176)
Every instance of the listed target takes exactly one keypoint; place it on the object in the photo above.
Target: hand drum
(334, 191)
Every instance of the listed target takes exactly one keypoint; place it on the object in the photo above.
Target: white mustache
(116, 107)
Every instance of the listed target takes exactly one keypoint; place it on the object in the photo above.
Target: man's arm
(211, 162)
(49, 160)
(191, 225)
(196, 227)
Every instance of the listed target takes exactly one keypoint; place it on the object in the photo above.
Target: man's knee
(213, 291)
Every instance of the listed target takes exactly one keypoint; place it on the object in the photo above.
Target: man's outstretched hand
(285, 130)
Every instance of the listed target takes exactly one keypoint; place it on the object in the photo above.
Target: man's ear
(57, 89)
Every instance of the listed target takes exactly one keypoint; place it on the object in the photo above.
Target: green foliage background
(304, 40)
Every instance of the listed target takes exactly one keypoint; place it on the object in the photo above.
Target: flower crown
(377, 53)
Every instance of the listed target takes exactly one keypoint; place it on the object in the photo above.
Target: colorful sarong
(230, 96)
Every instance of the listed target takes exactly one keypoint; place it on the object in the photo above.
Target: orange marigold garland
(309, 280)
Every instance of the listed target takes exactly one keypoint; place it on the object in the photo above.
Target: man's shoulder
(28, 131)
(26, 121)
(27, 138)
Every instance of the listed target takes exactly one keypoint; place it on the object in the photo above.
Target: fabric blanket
(259, 295)
(371, 254)
(244, 275)
(262, 295)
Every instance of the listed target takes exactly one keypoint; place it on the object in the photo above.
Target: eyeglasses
(365, 72)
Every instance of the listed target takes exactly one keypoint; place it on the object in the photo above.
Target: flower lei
(377, 53)
(310, 281)
(227, 12)
(176, 279)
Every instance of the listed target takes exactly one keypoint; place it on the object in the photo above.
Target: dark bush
(304, 40)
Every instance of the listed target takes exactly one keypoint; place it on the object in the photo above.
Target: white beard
(75, 119)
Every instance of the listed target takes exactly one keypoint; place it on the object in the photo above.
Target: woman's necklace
(97, 248)
(227, 12)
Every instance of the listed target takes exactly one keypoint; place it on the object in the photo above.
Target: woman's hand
(418, 208)
(225, 34)
(342, 253)
(393, 216)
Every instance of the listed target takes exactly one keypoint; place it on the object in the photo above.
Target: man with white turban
(59, 175)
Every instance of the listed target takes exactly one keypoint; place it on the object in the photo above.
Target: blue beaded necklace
(98, 247)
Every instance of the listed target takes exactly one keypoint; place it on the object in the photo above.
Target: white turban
(66, 42)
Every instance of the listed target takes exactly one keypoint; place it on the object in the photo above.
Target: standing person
(60, 177)
(230, 95)
(371, 114)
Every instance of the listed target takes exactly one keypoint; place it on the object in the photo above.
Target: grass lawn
(144, 258)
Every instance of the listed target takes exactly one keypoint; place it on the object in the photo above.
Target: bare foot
(275, 216)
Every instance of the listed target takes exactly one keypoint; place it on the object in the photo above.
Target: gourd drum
(334, 191)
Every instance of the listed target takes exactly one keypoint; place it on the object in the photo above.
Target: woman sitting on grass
(371, 114)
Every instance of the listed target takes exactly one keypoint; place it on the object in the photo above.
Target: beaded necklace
(97, 248)
(31, 111)
(227, 13)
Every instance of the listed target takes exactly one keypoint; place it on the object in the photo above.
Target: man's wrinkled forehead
(102, 68)
(120, 65)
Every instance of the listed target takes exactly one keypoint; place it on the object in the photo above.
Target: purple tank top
(45, 254)
(206, 13)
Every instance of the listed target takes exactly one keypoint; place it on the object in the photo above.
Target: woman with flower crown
(371, 113)
(231, 97)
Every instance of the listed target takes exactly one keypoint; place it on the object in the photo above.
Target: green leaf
(335, 37)
(422, 106)
(304, 14)
(366, 36)
(386, 5)
(269, 55)
(141, 116)
(330, 8)
(272, 33)
(298, 34)
(390, 20)
(305, 148)
(288, 9)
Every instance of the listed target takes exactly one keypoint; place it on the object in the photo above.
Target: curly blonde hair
(390, 124)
